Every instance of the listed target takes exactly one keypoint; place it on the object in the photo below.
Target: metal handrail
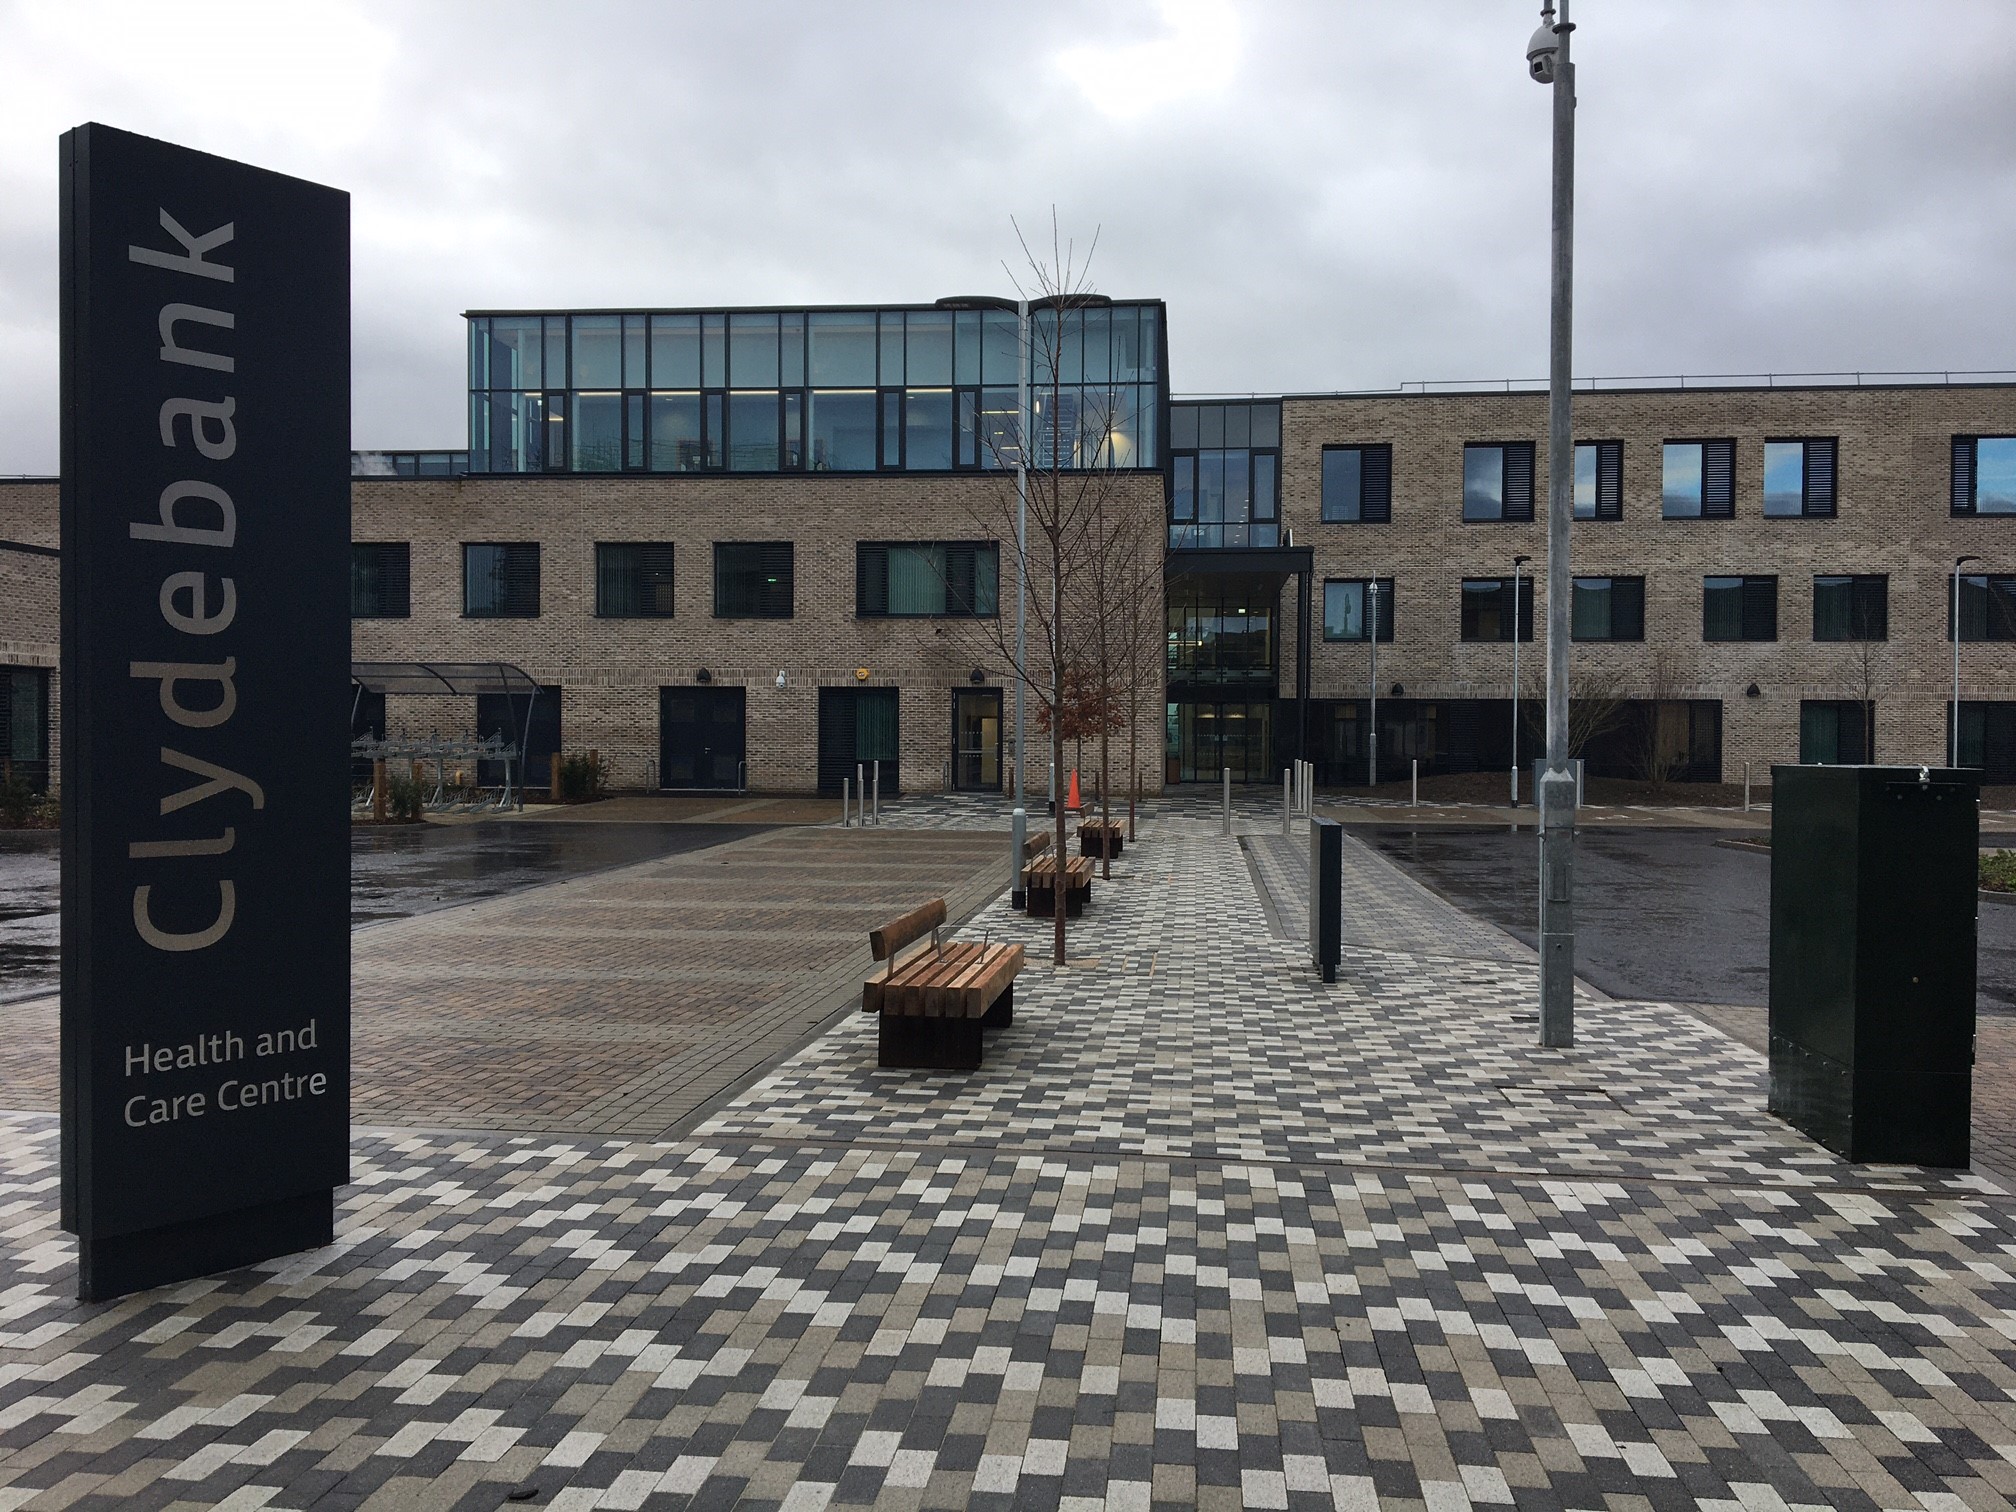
(1859, 378)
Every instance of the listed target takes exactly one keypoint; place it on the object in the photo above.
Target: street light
(1372, 724)
(1548, 62)
(1958, 563)
(1517, 563)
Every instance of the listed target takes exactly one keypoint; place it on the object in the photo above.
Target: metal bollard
(1227, 802)
(1746, 787)
(877, 809)
(1287, 803)
(1018, 837)
(1417, 783)
(845, 792)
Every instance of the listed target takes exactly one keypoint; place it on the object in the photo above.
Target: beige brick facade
(1893, 517)
(28, 590)
(611, 669)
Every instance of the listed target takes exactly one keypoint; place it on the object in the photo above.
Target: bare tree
(1596, 705)
(1070, 487)
(1661, 728)
(1861, 679)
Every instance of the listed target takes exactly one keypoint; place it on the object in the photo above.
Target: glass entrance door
(976, 740)
(1208, 737)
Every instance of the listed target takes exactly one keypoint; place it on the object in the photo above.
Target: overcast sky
(1330, 195)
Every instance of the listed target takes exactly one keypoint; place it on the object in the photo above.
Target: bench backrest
(1035, 845)
(914, 925)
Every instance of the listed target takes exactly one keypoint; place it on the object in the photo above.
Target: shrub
(18, 802)
(1998, 870)
(581, 780)
(404, 797)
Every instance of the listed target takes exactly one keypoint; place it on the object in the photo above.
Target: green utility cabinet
(1873, 899)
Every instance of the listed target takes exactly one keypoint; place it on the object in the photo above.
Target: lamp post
(1517, 563)
(1958, 563)
(1021, 533)
(1547, 60)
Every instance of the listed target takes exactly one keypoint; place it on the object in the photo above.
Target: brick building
(759, 547)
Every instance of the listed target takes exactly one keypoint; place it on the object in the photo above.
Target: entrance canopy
(442, 677)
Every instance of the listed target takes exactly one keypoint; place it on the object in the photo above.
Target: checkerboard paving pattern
(1202, 1233)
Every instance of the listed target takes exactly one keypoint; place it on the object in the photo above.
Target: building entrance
(976, 740)
(702, 737)
(1206, 738)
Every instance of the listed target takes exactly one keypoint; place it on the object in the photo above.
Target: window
(1698, 480)
(764, 391)
(1739, 609)
(24, 724)
(1599, 480)
(500, 581)
(1358, 484)
(1498, 480)
(1799, 478)
(1344, 616)
(927, 578)
(1987, 608)
(633, 580)
(381, 580)
(1836, 732)
(1851, 608)
(1487, 609)
(1225, 461)
(1607, 609)
(1987, 738)
(752, 579)
(1984, 475)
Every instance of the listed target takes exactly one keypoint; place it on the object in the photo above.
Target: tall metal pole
(1958, 563)
(1517, 563)
(1021, 538)
(1372, 724)
(1557, 785)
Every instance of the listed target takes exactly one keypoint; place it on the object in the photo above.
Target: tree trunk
(1105, 809)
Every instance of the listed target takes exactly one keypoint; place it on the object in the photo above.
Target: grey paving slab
(1202, 1232)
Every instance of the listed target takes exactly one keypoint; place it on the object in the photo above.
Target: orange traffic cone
(1073, 804)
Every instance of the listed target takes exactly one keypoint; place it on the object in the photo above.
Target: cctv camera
(1541, 53)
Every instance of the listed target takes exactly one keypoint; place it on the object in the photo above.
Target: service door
(702, 737)
(976, 740)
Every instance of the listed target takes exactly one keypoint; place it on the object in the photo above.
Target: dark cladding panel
(206, 549)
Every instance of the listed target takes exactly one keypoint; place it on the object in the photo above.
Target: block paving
(1203, 1232)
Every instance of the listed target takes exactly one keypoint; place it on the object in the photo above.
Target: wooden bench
(1099, 837)
(935, 1004)
(1039, 881)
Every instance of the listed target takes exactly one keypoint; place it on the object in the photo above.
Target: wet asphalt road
(1661, 914)
(395, 872)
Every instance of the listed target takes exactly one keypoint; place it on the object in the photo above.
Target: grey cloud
(1358, 197)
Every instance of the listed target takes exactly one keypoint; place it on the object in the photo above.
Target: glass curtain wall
(1225, 486)
(912, 390)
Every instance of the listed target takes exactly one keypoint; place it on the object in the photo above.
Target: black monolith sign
(206, 646)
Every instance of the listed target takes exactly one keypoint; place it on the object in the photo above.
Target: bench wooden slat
(897, 933)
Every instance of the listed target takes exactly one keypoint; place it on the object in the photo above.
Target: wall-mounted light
(978, 676)
(780, 677)
(1398, 690)
(861, 674)
(703, 676)
(1751, 691)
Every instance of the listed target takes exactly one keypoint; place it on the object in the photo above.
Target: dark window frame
(1375, 484)
(784, 561)
(1964, 486)
(1609, 504)
(1465, 620)
(1757, 608)
(864, 558)
(1720, 506)
(1868, 610)
(1386, 611)
(393, 587)
(1999, 591)
(604, 550)
(1819, 477)
(1511, 509)
(533, 575)
(1634, 597)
